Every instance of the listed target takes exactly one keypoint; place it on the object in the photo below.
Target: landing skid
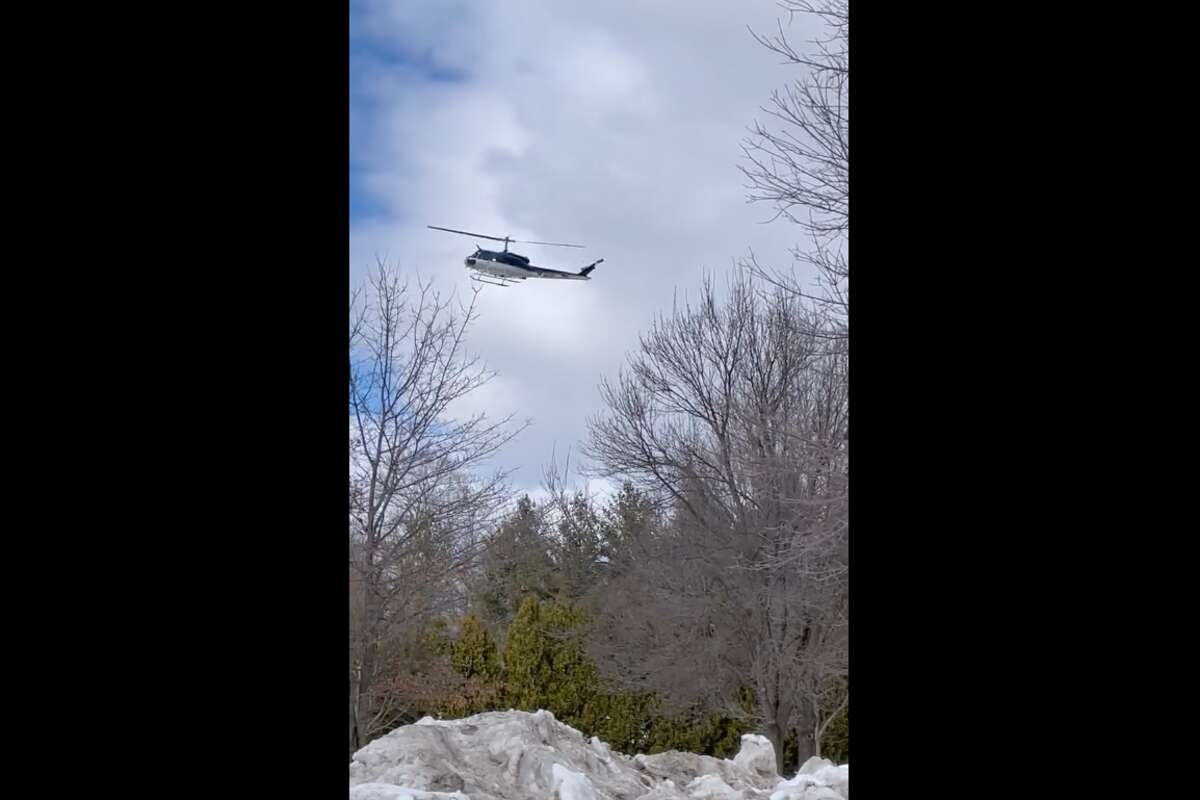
(499, 283)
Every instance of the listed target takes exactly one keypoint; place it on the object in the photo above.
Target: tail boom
(583, 273)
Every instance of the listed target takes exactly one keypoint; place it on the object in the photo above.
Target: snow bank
(515, 755)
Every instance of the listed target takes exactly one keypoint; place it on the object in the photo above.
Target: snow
(386, 791)
(711, 787)
(570, 785)
(757, 756)
(516, 755)
(817, 779)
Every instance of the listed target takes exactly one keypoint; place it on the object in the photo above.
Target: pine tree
(579, 550)
(627, 520)
(516, 565)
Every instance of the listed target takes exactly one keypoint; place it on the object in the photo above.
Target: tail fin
(587, 270)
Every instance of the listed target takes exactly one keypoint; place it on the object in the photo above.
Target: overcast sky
(612, 123)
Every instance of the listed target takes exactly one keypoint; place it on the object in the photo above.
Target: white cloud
(616, 125)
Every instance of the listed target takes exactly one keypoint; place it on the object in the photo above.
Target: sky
(614, 124)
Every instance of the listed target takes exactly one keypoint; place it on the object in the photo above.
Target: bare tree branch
(418, 503)
(800, 162)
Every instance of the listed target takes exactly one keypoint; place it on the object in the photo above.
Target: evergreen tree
(474, 652)
(475, 660)
(628, 519)
(516, 565)
(579, 549)
(526, 664)
(835, 744)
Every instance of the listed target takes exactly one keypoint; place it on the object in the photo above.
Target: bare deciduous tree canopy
(735, 415)
(417, 508)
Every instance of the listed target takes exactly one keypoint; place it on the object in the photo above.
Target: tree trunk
(353, 721)
(352, 676)
(805, 746)
(362, 699)
(774, 733)
(806, 734)
(368, 649)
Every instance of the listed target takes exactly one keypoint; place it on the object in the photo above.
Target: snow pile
(817, 779)
(515, 755)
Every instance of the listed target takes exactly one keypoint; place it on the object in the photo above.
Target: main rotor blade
(552, 244)
(501, 238)
(468, 233)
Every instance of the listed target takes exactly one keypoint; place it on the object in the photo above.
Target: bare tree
(801, 162)
(417, 508)
(734, 414)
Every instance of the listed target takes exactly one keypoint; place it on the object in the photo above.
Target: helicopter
(506, 266)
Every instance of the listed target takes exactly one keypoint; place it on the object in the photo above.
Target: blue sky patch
(402, 61)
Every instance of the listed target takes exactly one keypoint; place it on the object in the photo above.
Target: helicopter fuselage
(500, 264)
